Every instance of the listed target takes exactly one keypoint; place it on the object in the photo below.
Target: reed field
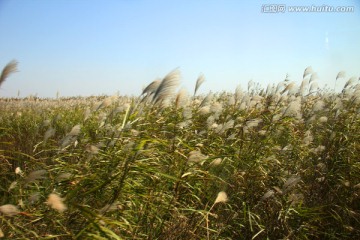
(281, 162)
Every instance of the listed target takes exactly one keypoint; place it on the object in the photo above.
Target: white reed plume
(71, 136)
(222, 128)
(313, 77)
(64, 177)
(49, 133)
(9, 210)
(184, 124)
(206, 101)
(75, 130)
(318, 106)
(46, 123)
(262, 132)
(270, 90)
(290, 87)
(36, 175)
(187, 113)
(110, 207)
(313, 86)
(238, 93)
(92, 149)
(253, 122)
(18, 171)
(356, 96)
(318, 149)
(279, 86)
(221, 198)
(34, 197)
(210, 121)
(196, 156)
(268, 194)
(216, 108)
(291, 182)
(166, 88)
(182, 98)
(150, 89)
(350, 82)
(250, 85)
(338, 103)
(216, 162)
(308, 138)
(323, 119)
(308, 71)
(341, 74)
(257, 98)
(10, 68)
(87, 113)
(56, 202)
(296, 198)
(106, 102)
(231, 100)
(293, 109)
(204, 110)
(199, 81)
(243, 106)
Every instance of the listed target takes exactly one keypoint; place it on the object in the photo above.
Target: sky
(94, 47)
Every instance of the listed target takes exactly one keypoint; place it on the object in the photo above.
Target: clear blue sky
(93, 47)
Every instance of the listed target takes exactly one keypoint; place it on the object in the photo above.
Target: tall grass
(275, 163)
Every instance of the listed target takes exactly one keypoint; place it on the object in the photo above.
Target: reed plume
(341, 74)
(10, 68)
(56, 202)
(181, 98)
(289, 87)
(313, 77)
(199, 81)
(221, 198)
(151, 88)
(167, 86)
(9, 210)
(308, 71)
(350, 82)
(206, 101)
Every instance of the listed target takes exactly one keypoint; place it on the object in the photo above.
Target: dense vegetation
(280, 163)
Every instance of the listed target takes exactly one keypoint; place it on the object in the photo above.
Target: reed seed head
(166, 88)
(341, 74)
(199, 81)
(56, 202)
(221, 197)
(10, 68)
(9, 210)
(308, 71)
